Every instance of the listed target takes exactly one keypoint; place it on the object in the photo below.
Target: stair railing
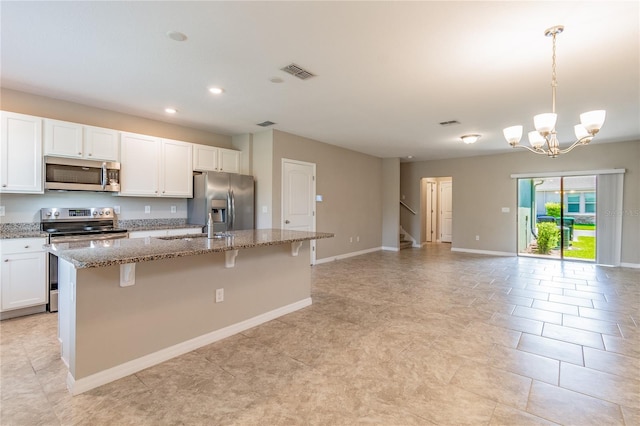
(402, 203)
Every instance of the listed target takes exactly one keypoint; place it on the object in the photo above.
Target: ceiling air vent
(266, 123)
(449, 123)
(298, 71)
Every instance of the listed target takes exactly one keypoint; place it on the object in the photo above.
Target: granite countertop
(22, 234)
(32, 230)
(21, 230)
(114, 252)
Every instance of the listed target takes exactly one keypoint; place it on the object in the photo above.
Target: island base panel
(173, 300)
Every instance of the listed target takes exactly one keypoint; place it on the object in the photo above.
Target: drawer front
(22, 245)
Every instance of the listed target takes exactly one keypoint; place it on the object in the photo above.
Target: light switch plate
(147, 209)
(506, 210)
(1, 210)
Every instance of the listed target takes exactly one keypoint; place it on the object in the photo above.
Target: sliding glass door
(557, 217)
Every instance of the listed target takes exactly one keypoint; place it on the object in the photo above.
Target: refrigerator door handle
(232, 208)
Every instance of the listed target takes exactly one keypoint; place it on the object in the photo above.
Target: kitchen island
(125, 305)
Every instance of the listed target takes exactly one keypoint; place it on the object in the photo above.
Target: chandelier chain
(554, 81)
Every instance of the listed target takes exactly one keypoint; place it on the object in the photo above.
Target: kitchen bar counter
(128, 304)
(123, 251)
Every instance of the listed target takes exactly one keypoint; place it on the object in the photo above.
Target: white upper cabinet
(101, 144)
(139, 165)
(176, 169)
(155, 167)
(21, 153)
(229, 160)
(64, 139)
(205, 158)
(210, 158)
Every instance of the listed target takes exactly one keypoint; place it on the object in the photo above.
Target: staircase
(404, 243)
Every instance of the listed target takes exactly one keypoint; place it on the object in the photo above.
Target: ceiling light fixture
(170, 110)
(544, 139)
(216, 90)
(469, 139)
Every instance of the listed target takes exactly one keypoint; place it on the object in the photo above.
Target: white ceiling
(387, 72)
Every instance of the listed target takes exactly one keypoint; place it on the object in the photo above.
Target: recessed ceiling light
(177, 36)
(276, 80)
(170, 110)
(409, 157)
(216, 90)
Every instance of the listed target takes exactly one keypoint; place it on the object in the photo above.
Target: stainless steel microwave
(74, 174)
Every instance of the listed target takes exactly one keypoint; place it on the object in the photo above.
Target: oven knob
(95, 213)
(56, 214)
(107, 212)
(48, 213)
(100, 212)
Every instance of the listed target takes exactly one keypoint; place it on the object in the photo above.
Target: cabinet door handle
(79, 153)
(4, 185)
(6, 260)
(26, 246)
(90, 154)
(287, 221)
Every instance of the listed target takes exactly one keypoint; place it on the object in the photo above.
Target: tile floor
(423, 336)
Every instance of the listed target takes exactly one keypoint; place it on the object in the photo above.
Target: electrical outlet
(350, 239)
(219, 295)
(147, 209)
(358, 239)
(173, 209)
(2, 211)
(477, 237)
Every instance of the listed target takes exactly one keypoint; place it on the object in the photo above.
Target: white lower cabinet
(23, 280)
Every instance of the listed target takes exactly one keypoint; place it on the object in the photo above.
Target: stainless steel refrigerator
(227, 196)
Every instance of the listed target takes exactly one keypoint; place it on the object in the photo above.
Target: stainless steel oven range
(76, 225)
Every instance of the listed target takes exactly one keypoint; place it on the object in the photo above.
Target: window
(573, 203)
(589, 202)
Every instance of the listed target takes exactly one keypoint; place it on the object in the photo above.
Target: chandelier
(544, 139)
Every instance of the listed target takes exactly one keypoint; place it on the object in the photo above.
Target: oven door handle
(81, 238)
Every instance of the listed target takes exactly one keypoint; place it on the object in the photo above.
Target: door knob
(287, 222)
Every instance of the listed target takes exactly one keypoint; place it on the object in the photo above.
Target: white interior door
(299, 197)
(446, 211)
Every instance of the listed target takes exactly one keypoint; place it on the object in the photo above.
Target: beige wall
(482, 186)
(351, 186)
(26, 103)
(263, 174)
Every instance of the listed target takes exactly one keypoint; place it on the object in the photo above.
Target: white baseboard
(630, 265)
(346, 255)
(489, 252)
(385, 248)
(114, 373)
